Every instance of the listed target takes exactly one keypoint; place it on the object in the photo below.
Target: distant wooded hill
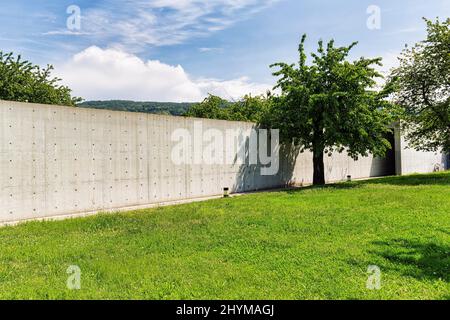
(168, 108)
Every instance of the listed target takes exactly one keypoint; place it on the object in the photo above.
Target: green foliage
(165, 108)
(331, 105)
(22, 81)
(249, 108)
(212, 107)
(423, 89)
(312, 243)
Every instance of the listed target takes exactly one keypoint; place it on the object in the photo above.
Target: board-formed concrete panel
(58, 160)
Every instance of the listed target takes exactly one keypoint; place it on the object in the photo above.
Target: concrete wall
(338, 167)
(60, 160)
(413, 161)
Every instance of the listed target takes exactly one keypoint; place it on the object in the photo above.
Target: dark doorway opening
(390, 156)
(385, 166)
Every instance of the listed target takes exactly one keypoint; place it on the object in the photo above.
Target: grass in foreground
(314, 243)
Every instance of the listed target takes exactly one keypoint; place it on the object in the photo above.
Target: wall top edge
(4, 103)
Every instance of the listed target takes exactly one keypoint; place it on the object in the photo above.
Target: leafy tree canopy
(22, 81)
(423, 89)
(249, 108)
(331, 105)
(212, 107)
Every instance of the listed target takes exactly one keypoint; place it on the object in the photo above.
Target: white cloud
(103, 74)
(64, 33)
(136, 23)
(390, 61)
(232, 89)
(413, 29)
(207, 49)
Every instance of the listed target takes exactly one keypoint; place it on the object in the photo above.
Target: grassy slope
(306, 244)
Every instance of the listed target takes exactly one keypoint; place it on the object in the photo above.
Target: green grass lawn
(313, 243)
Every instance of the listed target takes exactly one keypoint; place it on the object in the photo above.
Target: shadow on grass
(416, 259)
(442, 178)
(342, 185)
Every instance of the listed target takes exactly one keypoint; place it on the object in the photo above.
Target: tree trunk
(319, 169)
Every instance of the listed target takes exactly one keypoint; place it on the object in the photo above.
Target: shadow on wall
(420, 260)
(250, 178)
(289, 155)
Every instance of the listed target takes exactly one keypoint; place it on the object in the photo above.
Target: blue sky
(180, 50)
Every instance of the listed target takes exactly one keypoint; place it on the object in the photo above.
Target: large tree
(331, 104)
(423, 89)
(22, 81)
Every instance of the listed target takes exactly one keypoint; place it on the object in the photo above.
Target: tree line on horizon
(162, 108)
(326, 102)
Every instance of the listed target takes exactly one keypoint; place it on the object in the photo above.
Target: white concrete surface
(413, 161)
